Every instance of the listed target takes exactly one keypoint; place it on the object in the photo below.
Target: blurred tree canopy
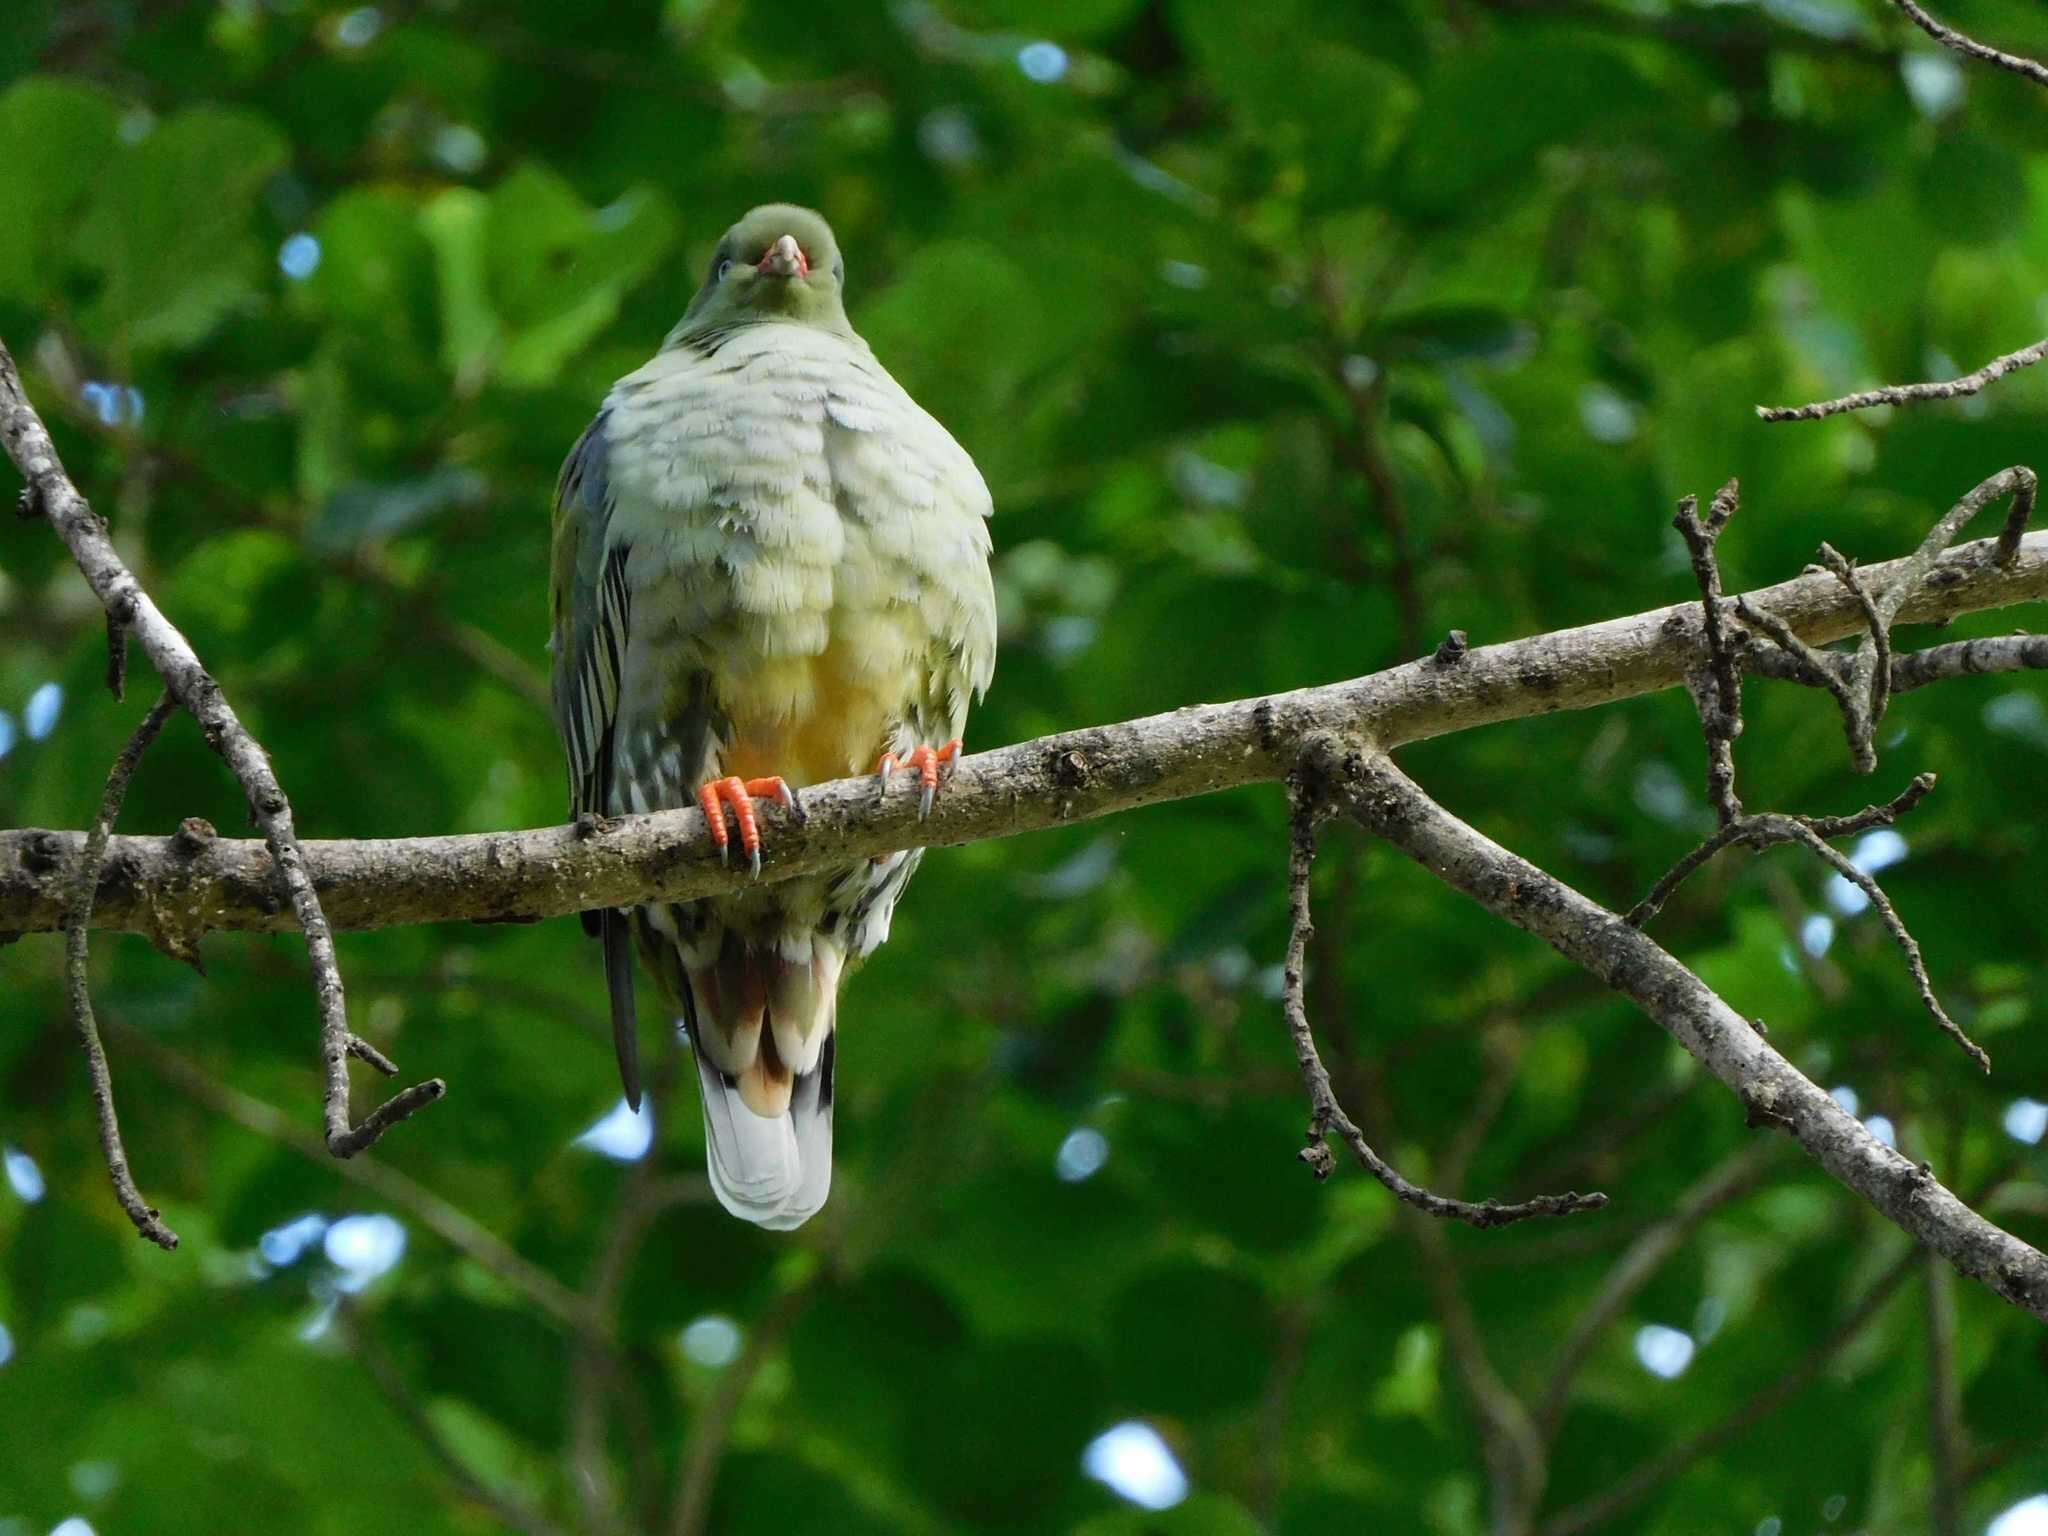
(1288, 336)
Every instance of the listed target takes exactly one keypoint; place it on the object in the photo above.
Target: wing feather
(592, 608)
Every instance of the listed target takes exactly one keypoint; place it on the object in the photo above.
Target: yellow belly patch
(815, 718)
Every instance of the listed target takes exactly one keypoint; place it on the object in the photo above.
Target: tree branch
(51, 494)
(174, 894)
(1862, 683)
(1969, 658)
(1949, 37)
(1368, 786)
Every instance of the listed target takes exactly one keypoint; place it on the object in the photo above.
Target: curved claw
(927, 761)
(715, 796)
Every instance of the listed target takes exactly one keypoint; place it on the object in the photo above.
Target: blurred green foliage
(317, 297)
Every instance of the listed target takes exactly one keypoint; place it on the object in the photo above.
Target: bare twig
(77, 946)
(402, 1105)
(1915, 964)
(117, 659)
(1589, 1514)
(1768, 829)
(1326, 1114)
(1368, 786)
(130, 608)
(454, 1227)
(1870, 687)
(1907, 394)
(1969, 658)
(1810, 664)
(1718, 696)
(363, 1051)
(1862, 683)
(1949, 37)
(384, 1375)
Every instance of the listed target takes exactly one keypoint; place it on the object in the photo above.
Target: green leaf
(457, 225)
(171, 227)
(55, 140)
(558, 269)
(1336, 110)
(1473, 135)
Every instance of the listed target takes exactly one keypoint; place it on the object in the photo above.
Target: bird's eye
(723, 268)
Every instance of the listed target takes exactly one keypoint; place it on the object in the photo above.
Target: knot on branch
(194, 836)
(1070, 770)
(1322, 1162)
(1329, 767)
(42, 853)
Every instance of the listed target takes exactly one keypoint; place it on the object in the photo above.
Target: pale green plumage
(768, 560)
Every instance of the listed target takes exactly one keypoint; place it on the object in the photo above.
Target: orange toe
(739, 793)
(927, 761)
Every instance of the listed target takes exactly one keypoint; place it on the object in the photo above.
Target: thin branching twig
(77, 952)
(1862, 683)
(1326, 1114)
(1718, 695)
(1907, 394)
(1949, 37)
(53, 496)
(1916, 964)
(1767, 830)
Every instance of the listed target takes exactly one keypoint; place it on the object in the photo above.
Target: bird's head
(780, 262)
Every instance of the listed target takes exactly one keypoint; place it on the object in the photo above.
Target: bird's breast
(793, 542)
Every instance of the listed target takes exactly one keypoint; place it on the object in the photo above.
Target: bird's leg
(715, 796)
(927, 761)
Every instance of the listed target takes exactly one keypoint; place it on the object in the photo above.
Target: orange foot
(926, 761)
(739, 794)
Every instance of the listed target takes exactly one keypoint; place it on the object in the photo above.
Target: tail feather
(762, 1027)
(615, 929)
(772, 1170)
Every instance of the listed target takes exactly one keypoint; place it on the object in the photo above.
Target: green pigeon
(771, 569)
